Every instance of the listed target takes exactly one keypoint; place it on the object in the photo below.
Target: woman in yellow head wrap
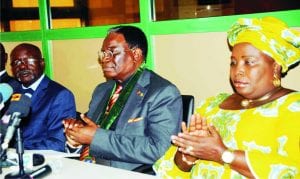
(254, 132)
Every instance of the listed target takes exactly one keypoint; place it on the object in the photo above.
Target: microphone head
(5, 92)
(19, 103)
(37, 159)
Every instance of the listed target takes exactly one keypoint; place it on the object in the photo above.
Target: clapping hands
(199, 141)
(79, 132)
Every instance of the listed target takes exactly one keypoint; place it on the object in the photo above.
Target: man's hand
(78, 132)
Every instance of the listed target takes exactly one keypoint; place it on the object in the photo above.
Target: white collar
(35, 85)
(2, 72)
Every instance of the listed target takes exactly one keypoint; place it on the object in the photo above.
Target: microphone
(30, 160)
(53, 166)
(19, 107)
(38, 173)
(33, 159)
(5, 92)
(37, 159)
(41, 172)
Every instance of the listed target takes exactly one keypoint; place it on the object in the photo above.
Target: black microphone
(30, 160)
(38, 173)
(19, 104)
(37, 159)
(41, 172)
(19, 107)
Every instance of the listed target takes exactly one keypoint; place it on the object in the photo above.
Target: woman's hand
(209, 147)
(197, 127)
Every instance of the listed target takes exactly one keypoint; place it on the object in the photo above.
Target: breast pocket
(135, 126)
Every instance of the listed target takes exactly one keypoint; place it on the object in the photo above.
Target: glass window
(93, 13)
(19, 15)
(184, 9)
(24, 3)
(22, 25)
(24, 14)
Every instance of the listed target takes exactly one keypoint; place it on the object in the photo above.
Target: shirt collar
(2, 72)
(124, 82)
(34, 85)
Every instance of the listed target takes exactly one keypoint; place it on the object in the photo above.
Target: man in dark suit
(136, 130)
(5, 78)
(50, 101)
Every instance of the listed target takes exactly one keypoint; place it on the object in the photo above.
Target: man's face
(118, 60)
(27, 65)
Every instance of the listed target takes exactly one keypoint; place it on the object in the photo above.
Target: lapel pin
(141, 94)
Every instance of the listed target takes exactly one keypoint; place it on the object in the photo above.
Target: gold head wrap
(271, 36)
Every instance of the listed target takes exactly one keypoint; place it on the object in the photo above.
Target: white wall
(197, 63)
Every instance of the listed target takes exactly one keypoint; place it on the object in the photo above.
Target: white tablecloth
(65, 168)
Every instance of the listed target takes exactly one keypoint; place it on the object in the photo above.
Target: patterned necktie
(85, 153)
(113, 98)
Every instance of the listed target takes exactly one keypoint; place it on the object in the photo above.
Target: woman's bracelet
(185, 160)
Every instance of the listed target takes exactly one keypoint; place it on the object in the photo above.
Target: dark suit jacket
(43, 128)
(144, 127)
(5, 78)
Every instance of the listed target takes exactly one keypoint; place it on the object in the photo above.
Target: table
(65, 168)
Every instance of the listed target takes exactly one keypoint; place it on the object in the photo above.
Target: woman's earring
(276, 80)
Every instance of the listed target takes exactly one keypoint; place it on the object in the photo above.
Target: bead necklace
(246, 102)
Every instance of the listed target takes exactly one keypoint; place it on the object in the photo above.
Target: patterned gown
(269, 135)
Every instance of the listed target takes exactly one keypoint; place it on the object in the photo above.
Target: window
(184, 9)
(21, 15)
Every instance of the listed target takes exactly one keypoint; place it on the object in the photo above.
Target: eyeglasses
(108, 54)
(25, 61)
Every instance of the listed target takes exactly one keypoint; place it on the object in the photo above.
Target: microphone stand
(0, 158)
(20, 152)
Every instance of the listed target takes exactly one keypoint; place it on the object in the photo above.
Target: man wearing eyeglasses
(50, 101)
(134, 130)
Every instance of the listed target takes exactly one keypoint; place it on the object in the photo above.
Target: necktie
(28, 90)
(113, 98)
(85, 153)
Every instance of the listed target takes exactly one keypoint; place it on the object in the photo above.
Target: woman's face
(251, 71)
